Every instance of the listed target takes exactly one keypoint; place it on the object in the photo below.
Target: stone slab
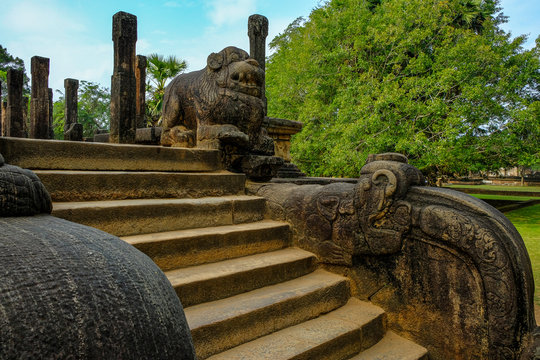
(214, 281)
(328, 337)
(393, 347)
(143, 216)
(223, 324)
(181, 248)
(74, 155)
(314, 180)
(282, 126)
(150, 136)
(75, 185)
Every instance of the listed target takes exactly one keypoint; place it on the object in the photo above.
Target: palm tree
(474, 13)
(160, 70)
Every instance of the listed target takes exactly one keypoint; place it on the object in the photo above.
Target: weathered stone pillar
(140, 76)
(4, 121)
(51, 128)
(25, 115)
(1, 113)
(123, 83)
(14, 113)
(257, 32)
(72, 130)
(39, 103)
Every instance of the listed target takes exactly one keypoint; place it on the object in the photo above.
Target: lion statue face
(236, 71)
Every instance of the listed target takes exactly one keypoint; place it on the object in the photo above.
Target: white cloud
(225, 12)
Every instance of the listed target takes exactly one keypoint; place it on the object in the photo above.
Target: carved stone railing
(452, 272)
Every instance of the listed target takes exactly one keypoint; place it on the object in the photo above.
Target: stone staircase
(247, 293)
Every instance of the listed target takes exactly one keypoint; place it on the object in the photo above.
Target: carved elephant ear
(215, 61)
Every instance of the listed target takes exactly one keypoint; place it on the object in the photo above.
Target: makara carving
(451, 271)
(340, 220)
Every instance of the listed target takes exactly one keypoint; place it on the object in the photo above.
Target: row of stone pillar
(127, 87)
(128, 79)
(14, 110)
(129, 75)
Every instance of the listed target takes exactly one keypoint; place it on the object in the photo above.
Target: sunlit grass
(498, 187)
(527, 222)
(504, 197)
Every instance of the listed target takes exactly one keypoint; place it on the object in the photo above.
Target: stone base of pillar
(146, 136)
(74, 133)
(123, 112)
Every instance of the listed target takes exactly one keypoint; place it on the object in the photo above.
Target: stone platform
(248, 292)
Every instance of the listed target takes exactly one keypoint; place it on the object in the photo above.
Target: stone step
(176, 249)
(77, 185)
(393, 347)
(223, 324)
(334, 336)
(214, 281)
(143, 216)
(75, 155)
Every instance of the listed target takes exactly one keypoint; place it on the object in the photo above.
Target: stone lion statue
(218, 105)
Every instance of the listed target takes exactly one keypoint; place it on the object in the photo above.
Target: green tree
(159, 71)
(438, 81)
(8, 61)
(93, 108)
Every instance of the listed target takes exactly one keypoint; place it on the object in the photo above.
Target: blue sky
(76, 34)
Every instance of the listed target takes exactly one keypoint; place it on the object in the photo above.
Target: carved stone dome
(69, 291)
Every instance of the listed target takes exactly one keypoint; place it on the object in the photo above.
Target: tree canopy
(436, 80)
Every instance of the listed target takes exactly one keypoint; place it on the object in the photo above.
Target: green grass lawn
(527, 222)
(497, 187)
(504, 197)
